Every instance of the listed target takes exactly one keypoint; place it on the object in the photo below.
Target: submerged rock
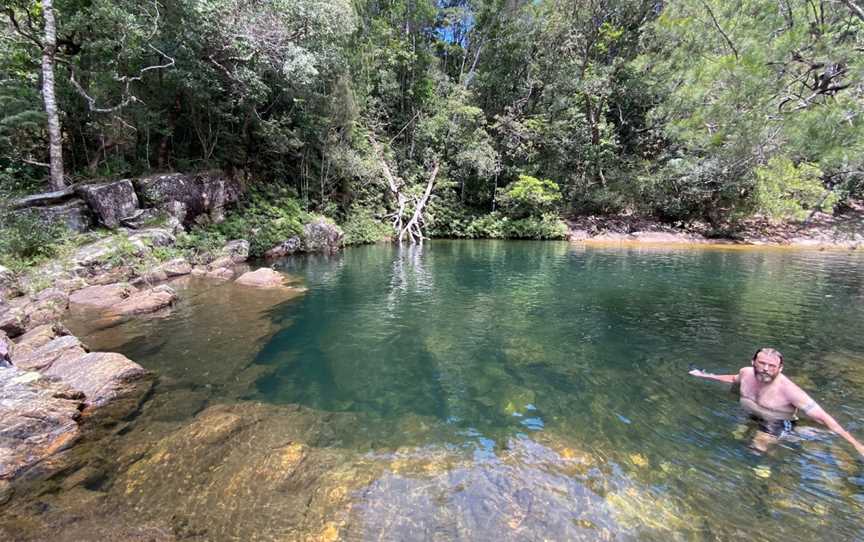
(262, 278)
(104, 377)
(220, 273)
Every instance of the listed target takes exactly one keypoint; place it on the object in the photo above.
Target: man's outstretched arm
(729, 379)
(808, 406)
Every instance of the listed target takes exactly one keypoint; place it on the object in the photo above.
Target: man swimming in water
(773, 398)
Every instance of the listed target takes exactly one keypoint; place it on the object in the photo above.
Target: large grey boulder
(74, 214)
(285, 248)
(322, 236)
(176, 267)
(111, 202)
(237, 250)
(187, 197)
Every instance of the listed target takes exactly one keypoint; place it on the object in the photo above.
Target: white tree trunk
(414, 227)
(49, 49)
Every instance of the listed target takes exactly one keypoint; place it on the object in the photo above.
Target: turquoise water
(523, 350)
(504, 338)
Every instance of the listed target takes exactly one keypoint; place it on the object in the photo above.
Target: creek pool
(548, 379)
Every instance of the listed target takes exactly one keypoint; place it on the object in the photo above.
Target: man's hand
(731, 379)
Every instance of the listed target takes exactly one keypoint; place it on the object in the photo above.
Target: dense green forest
(508, 113)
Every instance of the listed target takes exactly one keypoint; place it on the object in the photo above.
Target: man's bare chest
(770, 397)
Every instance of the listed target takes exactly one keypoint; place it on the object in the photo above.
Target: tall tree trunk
(49, 49)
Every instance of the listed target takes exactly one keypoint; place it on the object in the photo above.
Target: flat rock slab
(45, 198)
(176, 267)
(43, 357)
(101, 297)
(144, 302)
(139, 242)
(263, 278)
(38, 418)
(103, 377)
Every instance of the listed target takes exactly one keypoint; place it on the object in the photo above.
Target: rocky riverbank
(55, 392)
(843, 231)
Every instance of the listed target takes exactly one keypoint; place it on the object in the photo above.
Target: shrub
(267, 218)
(715, 189)
(529, 196)
(447, 218)
(25, 238)
(497, 226)
(363, 228)
(784, 190)
(200, 243)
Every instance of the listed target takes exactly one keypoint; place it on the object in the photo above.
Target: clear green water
(528, 342)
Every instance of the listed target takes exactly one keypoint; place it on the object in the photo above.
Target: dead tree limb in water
(413, 228)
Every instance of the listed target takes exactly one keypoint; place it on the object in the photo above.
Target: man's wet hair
(770, 352)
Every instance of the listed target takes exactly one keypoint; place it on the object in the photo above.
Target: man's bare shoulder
(788, 386)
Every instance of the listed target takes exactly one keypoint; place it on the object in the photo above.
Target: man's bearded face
(766, 367)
